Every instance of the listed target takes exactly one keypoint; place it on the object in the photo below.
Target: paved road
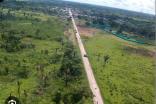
(92, 82)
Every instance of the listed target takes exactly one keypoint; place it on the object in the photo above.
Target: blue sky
(146, 6)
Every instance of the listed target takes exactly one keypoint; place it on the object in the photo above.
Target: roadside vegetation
(125, 71)
(121, 48)
(122, 52)
(38, 63)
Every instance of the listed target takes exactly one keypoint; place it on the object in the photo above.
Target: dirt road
(92, 82)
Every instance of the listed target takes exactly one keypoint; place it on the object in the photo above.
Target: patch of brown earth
(88, 32)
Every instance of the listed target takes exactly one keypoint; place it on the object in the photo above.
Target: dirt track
(92, 82)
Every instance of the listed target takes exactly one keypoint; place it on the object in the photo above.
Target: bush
(70, 68)
(22, 72)
(57, 97)
(11, 42)
(4, 71)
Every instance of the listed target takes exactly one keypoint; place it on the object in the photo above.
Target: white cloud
(146, 6)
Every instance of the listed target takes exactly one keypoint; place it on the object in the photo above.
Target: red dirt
(85, 31)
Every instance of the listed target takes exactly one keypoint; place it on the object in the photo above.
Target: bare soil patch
(88, 32)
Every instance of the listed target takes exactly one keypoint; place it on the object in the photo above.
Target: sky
(145, 6)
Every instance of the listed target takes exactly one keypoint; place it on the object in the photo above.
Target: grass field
(31, 72)
(124, 70)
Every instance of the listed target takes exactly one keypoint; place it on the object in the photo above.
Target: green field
(124, 70)
(40, 62)
(33, 48)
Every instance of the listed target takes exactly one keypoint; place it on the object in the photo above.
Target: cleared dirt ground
(86, 31)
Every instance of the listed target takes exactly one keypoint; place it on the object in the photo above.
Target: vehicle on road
(85, 55)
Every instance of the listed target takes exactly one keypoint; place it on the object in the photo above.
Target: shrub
(11, 42)
(22, 72)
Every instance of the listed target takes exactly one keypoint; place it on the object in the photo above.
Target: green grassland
(31, 72)
(124, 70)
